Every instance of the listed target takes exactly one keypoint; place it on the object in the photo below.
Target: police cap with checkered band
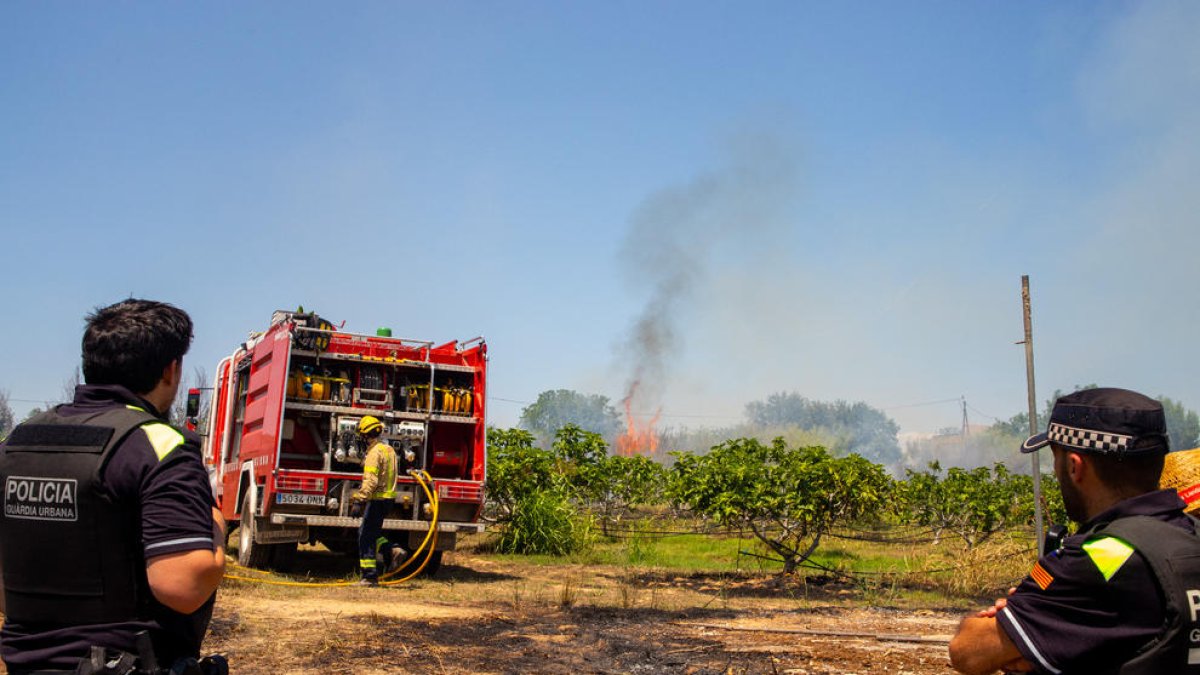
(1105, 421)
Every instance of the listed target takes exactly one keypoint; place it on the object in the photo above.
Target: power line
(956, 399)
(509, 400)
(992, 417)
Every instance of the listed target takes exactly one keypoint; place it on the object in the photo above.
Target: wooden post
(1033, 417)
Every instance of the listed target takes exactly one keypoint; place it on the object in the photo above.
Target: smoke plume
(679, 235)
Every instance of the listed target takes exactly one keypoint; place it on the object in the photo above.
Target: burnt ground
(483, 616)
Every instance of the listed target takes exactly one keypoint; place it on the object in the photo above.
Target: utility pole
(966, 426)
(1033, 420)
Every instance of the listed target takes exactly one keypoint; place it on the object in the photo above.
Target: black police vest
(1174, 556)
(72, 554)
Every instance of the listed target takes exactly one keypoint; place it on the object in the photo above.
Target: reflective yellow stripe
(1108, 554)
(370, 469)
(134, 407)
(367, 563)
(163, 438)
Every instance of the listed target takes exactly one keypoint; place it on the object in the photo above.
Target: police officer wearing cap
(111, 545)
(1122, 595)
(377, 493)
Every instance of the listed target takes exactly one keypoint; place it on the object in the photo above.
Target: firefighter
(111, 546)
(375, 496)
(1119, 596)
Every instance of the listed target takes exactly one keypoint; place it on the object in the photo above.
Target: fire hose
(427, 548)
(429, 543)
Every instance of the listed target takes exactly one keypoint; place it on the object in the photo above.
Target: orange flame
(637, 439)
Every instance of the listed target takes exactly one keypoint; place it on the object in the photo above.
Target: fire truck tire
(282, 555)
(250, 554)
(434, 564)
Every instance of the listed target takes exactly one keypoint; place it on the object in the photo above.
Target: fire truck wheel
(250, 554)
(282, 555)
(434, 564)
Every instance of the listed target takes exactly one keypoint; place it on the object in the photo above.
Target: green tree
(1053, 508)
(577, 446)
(530, 492)
(787, 497)
(557, 408)
(634, 481)
(973, 504)
(852, 427)
(516, 468)
(618, 485)
(544, 489)
(580, 463)
(605, 484)
(1183, 425)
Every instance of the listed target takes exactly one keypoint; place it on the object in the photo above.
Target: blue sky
(835, 199)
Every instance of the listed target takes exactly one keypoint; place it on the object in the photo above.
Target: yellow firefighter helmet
(369, 425)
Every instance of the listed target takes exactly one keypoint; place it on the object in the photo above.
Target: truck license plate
(293, 498)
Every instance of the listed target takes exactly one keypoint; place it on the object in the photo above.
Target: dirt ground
(483, 616)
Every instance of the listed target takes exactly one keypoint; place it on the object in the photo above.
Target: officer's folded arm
(981, 646)
(185, 580)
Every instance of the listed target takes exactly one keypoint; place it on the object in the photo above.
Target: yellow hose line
(433, 500)
(428, 535)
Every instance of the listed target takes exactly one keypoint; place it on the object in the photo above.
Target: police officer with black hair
(1121, 595)
(111, 546)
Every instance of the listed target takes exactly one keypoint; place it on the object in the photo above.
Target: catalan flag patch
(1040, 576)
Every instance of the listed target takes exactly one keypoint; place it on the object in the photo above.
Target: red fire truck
(280, 441)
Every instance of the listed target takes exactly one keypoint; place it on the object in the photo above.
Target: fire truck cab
(282, 452)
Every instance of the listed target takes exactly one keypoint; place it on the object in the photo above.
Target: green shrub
(545, 522)
(788, 498)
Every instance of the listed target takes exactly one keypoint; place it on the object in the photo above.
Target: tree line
(553, 499)
(797, 470)
(842, 427)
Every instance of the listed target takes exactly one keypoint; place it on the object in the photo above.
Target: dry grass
(487, 616)
(568, 595)
(990, 568)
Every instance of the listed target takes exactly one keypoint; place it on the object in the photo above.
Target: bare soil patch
(484, 616)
